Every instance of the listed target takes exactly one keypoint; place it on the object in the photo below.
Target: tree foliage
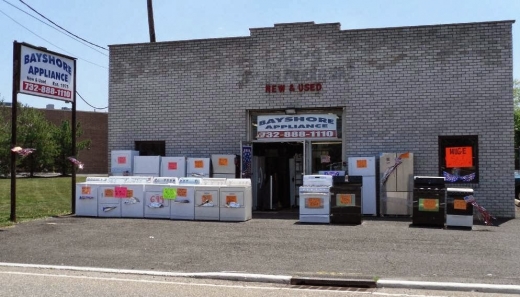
(53, 143)
(62, 136)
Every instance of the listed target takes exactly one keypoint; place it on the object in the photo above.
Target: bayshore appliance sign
(306, 126)
(46, 74)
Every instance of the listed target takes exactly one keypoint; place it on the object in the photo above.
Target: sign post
(43, 73)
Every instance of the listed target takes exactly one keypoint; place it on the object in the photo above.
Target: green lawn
(36, 198)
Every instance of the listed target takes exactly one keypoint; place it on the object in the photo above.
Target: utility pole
(150, 21)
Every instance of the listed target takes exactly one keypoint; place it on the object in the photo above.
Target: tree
(516, 114)
(5, 138)
(35, 131)
(63, 138)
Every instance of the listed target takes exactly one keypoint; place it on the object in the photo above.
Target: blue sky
(107, 22)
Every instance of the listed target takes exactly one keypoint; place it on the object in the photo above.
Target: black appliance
(345, 205)
(429, 201)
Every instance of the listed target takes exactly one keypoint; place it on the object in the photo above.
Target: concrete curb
(290, 280)
(448, 286)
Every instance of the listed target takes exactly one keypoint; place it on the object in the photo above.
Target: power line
(89, 103)
(49, 41)
(61, 27)
(76, 39)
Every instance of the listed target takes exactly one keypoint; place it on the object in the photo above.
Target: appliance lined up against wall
(183, 206)
(173, 166)
(122, 161)
(429, 201)
(315, 196)
(87, 196)
(396, 183)
(365, 167)
(207, 199)
(459, 213)
(155, 205)
(236, 201)
(224, 166)
(197, 167)
(147, 165)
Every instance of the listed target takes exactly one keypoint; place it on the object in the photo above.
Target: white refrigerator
(173, 166)
(224, 166)
(121, 162)
(365, 167)
(147, 165)
(197, 167)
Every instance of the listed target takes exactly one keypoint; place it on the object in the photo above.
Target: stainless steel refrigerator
(396, 183)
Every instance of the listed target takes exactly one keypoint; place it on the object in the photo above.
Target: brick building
(95, 127)
(430, 90)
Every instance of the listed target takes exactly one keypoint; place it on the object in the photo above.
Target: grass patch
(36, 198)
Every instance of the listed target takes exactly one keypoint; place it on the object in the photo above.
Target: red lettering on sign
(308, 87)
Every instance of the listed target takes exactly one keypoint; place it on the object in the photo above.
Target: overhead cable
(61, 27)
(68, 35)
(49, 41)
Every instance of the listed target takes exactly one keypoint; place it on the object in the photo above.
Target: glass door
(324, 157)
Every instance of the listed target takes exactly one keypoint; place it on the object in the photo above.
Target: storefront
(305, 97)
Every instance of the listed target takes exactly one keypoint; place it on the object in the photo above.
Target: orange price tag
(344, 199)
(129, 193)
(207, 198)
(314, 203)
(199, 164)
(361, 163)
(109, 193)
(183, 192)
(428, 204)
(230, 199)
(222, 161)
(121, 160)
(459, 204)
(85, 190)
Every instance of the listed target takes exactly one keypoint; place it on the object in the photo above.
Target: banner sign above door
(306, 126)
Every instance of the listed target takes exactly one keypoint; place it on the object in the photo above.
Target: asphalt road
(387, 248)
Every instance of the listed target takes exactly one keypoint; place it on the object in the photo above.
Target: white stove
(315, 198)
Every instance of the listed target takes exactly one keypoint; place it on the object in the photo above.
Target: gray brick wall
(401, 88)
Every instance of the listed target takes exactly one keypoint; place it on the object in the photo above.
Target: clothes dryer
(87, 196)
(236, 200)
(183, 206)
(207, 199)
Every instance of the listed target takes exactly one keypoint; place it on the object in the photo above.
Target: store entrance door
(276, 163)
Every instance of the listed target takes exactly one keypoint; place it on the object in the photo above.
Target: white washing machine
(87, 196)
(183, 206)
(173, 166)
(207, 197)
(108, 204)
(197, 167)
(132, 206)
(236, 200)
(155, 206)
(315, 198)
